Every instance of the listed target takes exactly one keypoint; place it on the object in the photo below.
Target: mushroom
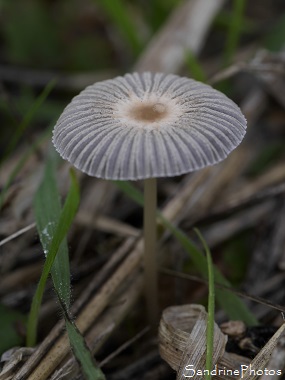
(145, 126)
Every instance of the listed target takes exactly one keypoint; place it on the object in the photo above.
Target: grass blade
(10, 334)
(130, 191)
(53, 225)
(81, 352)
(80, 349)
(229, 302)
(211, 308)
(235, 29)
(117, 12)
(194, 67)
(28, 118)
(63, 224)
(47, 212)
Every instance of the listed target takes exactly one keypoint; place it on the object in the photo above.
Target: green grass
(157, 11)
(52, 233)
(22, 127)
(234, 30)
(118, 13)
(47, 212)
(20, 130)
(53, 224)
(268, 156)
(10, 321)
(211, 308)
(194, 67)
(274, 40)
(81, 351)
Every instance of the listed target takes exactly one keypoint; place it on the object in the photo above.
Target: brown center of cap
(149, 112)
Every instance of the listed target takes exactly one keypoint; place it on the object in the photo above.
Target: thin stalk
(150, 251)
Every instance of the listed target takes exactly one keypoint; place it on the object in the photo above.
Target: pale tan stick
(276, 364)
(20, 278)
(123, 347)
(106, 224)
(101, 223)
(270, 177)
(224, 229)
(213, 182)
(18, 233)
(260, 361)
(186, 29)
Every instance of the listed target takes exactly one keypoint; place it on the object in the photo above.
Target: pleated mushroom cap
(147, 125)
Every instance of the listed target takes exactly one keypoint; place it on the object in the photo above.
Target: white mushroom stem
(150, 251)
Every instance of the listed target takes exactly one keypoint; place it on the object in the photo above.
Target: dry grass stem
(277, 360)
(185, 30)
(262, 358)
(106, 224)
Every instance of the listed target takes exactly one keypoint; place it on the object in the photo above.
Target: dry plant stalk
(262, 358)
(277, 360)
(250, 190)
(185, 30)
(182, 343)
(13, 358)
